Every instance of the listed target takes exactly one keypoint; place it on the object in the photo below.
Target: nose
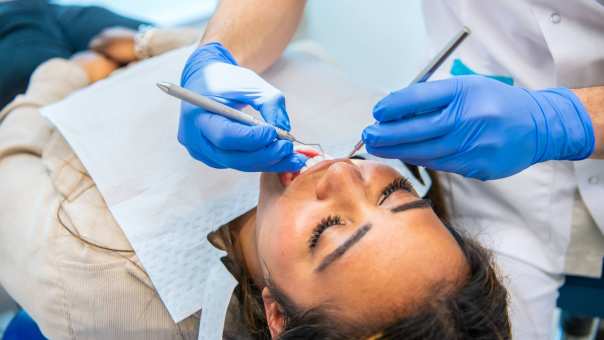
(342, 181)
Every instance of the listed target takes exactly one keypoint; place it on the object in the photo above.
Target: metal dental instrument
(225, 111)
(427, 72)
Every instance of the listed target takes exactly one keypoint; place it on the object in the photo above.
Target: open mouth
(314, 158)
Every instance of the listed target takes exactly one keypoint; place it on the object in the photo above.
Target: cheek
(277, 234)
(283, 238)
(270, 190)
(282, 261)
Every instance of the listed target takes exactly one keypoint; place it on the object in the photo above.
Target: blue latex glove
(220, 142)
(479, 127)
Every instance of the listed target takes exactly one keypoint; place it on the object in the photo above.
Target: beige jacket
(74, 290)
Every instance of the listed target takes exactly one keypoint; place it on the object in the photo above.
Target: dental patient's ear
(274, 314)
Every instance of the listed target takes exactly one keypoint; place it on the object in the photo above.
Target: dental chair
(582, 303)
(23, 327)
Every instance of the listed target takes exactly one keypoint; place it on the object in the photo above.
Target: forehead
(394, 266)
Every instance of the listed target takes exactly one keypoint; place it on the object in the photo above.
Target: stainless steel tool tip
(356, 148)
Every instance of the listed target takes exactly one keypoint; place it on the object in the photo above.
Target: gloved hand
(220, 142)
(479, 127)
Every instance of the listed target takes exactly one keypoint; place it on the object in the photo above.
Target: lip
(287, 178)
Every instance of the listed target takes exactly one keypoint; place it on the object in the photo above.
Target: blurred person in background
(33, 31)
(46, 196)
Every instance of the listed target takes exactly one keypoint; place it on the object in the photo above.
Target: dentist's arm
(481, 128)
(593, 100)
(242, 38)
(255, 31)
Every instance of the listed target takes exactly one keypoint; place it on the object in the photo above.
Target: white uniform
(535, 221)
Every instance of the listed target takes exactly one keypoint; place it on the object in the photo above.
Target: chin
(270, 187)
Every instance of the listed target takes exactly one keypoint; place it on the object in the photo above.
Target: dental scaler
(427, 72)
(224, 110)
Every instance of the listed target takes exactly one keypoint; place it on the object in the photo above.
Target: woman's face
(352, 235)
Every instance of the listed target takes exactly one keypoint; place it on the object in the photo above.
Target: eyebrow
(343, 248)
(417, 204)
(362, 231)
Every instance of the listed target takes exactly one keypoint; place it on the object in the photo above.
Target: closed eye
(320, 228)
(400, 183)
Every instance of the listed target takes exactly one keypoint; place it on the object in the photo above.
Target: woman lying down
(344, 250)
(347, 250)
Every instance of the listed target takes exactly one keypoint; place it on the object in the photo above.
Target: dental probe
(224, 110)
(427, 72)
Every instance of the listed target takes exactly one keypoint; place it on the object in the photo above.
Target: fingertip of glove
(297, 162)
(382, 109)
(285, 147)
(289, 163)
(369, 148)
(300, 158)
(367, 136)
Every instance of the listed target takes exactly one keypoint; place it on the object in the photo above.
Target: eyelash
(400, 183)
(321, 227)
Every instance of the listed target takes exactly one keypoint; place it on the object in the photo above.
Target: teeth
(304, 149)
(314, 160)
